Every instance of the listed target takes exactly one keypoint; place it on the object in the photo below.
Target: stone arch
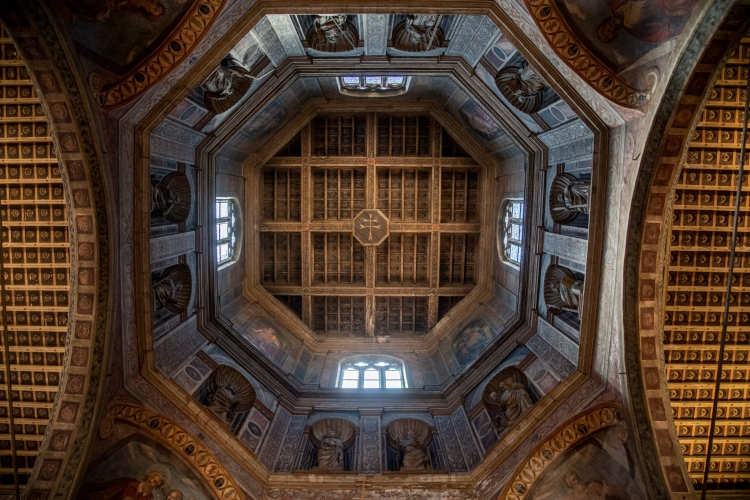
(73, 130)
(646, 244)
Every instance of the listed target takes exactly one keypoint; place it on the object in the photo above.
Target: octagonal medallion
(371, 227)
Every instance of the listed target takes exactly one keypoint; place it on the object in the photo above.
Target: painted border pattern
(577, 429)
(179, 440)
(67, 437)
(171, 53)
(562, 39)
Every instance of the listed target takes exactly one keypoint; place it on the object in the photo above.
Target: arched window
(372, 374)
(226, 230)
(373, 83)
(513, 231)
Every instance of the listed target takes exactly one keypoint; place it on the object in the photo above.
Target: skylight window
(373, 83)
(372, 374)
(513, 231)
(226, 230)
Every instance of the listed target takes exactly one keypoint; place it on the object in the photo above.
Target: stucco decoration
(229, 393)
(174, 287)
(411, 437)
(562, 290)
(522, 86)
(507, 397)
(332, 33)
(172, 197)
(568, 198)
(226, 85)
(332, 436)
(418, 33)
(182, 443)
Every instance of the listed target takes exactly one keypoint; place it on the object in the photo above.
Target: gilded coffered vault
(433, 250)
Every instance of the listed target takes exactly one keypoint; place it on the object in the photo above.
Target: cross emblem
(370, 227)
(369, 223)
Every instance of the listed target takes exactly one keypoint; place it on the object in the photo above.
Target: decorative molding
(370, 437)
(473, 37)
(177, 132)
(451, 445)
(176, 347)
(190, 449)
(172, 245)
(288, 452)
(572, 141)
(277, 37)
(466, 438)
(551, 356)
(562, 39)
(175, 48)
(272, 444)
(545, 454)
(376, 34)
(569, 247)
(561, 342)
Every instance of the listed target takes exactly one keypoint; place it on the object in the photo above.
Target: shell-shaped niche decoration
(411, 437)
(228, 392)
(562, 290)
(332, 33)
(568, 198)
(507, 397)
(226, 85)
(172, 197)
(418, 33)
(332, 436)
(174, 287)
(522, 86)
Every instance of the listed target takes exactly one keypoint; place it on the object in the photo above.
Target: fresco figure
(104, 10)
(331, 451)
(413, 453)
(591, 490)
(163, 199)
(228, 393)
(570, 291)
(647, 20)
(226, 85)
(265, 339)
(471, 341)
(522, 86)
(127, 488)
(174, 495)
(478, 119)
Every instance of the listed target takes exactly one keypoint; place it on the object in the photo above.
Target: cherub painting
(138, 468)
(472, 340)
(478, 119)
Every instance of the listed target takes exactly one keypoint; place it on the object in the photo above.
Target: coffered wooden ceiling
(403, 168)
(35, 268)
(696, 290)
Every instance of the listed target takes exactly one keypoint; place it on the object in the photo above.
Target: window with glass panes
(372, 374)
(513, 231)
(373, 83)
(226, 230)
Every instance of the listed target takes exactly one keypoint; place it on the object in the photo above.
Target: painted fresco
(118, 34)
(478, 119)
(141, 469)
(619, 46)
(620, 32)
(600, 467)
(471, 340)
(266, 337)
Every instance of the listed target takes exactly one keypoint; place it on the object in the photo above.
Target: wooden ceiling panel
(696, 294)
(338, 284)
